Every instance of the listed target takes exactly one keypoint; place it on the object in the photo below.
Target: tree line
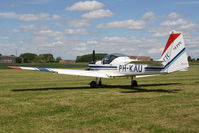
(34, 58)
(192, 59)
(89, 57)
(48, 58)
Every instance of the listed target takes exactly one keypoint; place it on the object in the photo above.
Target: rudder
(174, 56)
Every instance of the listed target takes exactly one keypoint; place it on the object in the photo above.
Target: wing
(66, 71)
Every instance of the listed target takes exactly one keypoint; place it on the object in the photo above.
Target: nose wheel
(93, 84)
(133, 83)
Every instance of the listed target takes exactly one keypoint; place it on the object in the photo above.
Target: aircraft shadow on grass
(137, 89)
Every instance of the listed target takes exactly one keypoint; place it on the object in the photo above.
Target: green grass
(33, 101)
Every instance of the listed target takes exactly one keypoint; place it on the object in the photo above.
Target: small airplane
(173, 58)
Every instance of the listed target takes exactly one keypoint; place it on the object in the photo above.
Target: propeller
(93, 57)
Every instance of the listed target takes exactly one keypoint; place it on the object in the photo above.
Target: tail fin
(174, 56)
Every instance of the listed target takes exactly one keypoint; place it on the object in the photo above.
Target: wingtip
(13, 67)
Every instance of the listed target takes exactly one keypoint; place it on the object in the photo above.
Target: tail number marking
(177, 45)
(166, 57)
(130, 68)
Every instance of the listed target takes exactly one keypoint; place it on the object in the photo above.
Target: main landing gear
(133, 83)
(93, 84)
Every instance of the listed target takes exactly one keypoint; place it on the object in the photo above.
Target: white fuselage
(121, 66)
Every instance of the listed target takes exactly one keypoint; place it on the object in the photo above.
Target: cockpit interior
(109, 58)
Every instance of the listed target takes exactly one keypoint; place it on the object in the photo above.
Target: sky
(68, 28)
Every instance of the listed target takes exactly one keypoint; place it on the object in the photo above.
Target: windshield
(109, 58)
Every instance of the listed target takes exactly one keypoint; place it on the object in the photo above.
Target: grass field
(33, 101)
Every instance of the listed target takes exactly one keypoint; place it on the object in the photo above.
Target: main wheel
(93, 84)
(134, 83)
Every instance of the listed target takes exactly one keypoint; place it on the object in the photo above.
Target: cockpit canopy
(109, 58)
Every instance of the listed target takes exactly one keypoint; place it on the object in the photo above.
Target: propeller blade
(94, 58)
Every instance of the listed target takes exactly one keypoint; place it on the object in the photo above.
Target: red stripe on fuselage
(12, 67)
(171, 39)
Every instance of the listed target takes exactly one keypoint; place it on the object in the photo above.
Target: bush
(47, 57)
(28, 57)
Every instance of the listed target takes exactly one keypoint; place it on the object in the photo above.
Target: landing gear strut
(93, 84)
(133, 83)
(100, 82)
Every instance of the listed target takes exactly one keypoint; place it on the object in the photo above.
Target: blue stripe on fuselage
(153, 68)
(103, 66)
(43, 69)
(101, 69)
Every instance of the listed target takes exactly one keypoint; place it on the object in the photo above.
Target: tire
(93, 84)
(134, 83)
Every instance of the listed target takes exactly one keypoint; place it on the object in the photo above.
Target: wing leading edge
(66, 71)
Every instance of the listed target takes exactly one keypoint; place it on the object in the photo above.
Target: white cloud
(180, 24)
(45, 42)
(8, 48)
(92, 42)
(174, 22)
(44, 27)
(160, 31)
(129, 24)
(29, 17)
(154, 50)
(115, 39)
(56, 17)
(173, 15)
(28, 27)
(34, 17)
(160, 34)
(8, 15)
(76, 31)
(57, 43)
(101, 13)
(40, 40)
(78, 23)
(127, 45)
(80, 47)
(149, 16)
(85, 6)
(187, 26)
(48, 33)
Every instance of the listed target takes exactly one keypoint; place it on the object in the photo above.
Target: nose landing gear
(133, 83)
